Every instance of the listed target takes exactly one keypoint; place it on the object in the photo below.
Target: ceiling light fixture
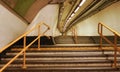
(76, 9)
(83, 1)
(72, 15)
(69, 18)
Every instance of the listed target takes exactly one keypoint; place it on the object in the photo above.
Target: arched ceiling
(74, 11)
(70, 12)
(27, 8)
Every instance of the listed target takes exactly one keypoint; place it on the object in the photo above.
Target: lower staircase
(63, 59)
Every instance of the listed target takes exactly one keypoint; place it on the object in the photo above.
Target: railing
(25, 46)
(116, 34)
(74, 33)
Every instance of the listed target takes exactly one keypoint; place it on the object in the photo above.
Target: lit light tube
(76, 9)
(69, 18)
(72, 15)
(83, 1)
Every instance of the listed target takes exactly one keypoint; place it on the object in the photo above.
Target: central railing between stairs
(25, 47)
(74, 33)
(114, 44)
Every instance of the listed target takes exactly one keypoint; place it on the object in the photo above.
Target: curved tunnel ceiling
(79, 13)
(28, 9)
(70, 11)
(92, 8)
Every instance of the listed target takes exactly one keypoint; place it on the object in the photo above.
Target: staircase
(62, 59)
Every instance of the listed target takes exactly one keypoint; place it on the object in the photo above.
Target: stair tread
(62, 69)
(66, 58)
(62, 65)
(57, 56)
(59, 61)
(68, 48)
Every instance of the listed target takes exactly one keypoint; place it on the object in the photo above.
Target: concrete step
(64, 69)
(61, 65)
(60, 59)
(67, 49)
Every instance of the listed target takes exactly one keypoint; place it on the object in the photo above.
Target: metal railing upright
(25, 47)
(116, 34)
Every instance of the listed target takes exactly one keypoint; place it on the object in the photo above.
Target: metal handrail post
(24, 54)
(101, 33)
(115, 51)
(116, 34)
(39, 38)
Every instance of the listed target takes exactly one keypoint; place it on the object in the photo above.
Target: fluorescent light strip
(83, 1)
(67, 21)
(69, 18)
(72, 15)
(76, 9)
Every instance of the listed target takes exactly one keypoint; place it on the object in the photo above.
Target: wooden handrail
(116, 34)
(25, 46)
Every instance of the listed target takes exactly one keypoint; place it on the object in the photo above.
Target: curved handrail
(107, 28)
(25, 47)
(116, 34)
